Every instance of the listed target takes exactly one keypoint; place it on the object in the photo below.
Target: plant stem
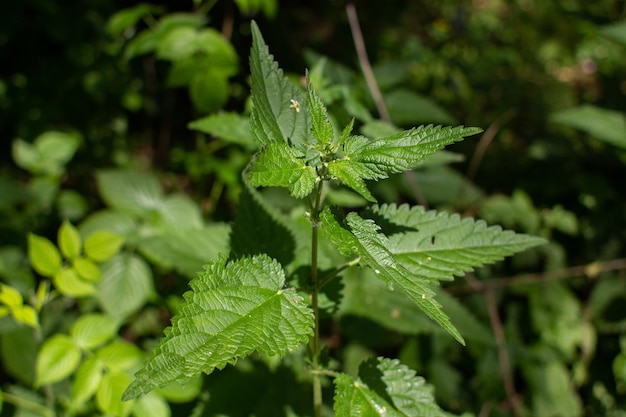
(315, 340)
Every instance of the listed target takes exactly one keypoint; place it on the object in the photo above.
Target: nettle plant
(253, 302)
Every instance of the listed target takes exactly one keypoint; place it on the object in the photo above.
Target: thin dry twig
(590, 270)
(372, 85)
(359, 44)
(504, 362)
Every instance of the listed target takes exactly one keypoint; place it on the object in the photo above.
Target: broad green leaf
(109, 392)
(179, 211)
(407, 108)
(384, 387)
(362, 238)
(119, 356)
(186, 250)
(69, 240)
(401, 151)
(69, 283)
(86, 269)
(260, 228)
(102, 245)
(44, 256)
(230, 127)
(177, 43)
(134, 192)
(86, 379)
(182, 392)
(111, 220)
(251, 7)
(209, 91)
(232, 310)
(125, 286)
(321, 128)
(92, 330)
(604, 124)
(151, 405)
(58, 358)
(615, 31)
(437, 246)
(279, 112)
(19, 353)
(281, 165)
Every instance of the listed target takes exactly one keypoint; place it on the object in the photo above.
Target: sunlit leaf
(232, 310)
(58, 358)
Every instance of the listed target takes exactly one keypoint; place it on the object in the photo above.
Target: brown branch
(504, 362)
(591, 270)
(372, 85)
(359, 44)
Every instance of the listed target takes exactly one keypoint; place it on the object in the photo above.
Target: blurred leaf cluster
(124, 131)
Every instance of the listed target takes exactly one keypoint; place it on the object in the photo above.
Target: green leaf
(230, 127)
(151, 405)
(351, 175)
(279, 112)
(436, 245)
(125, 286)
(19, 353)
(48, 154)
(69, 240)
(93, 330)
(393, 154)
(409, 109)
(58, 358)
(182, 392)
(127, 18)
(44, 256)
(604, 124)
(87, 379)
(186, 250)
(10, 297)
(209, 91)
(119, 356)
(281, 165)
(86, 269)
(384, 387)
(102, 245)
(260, 228)
(615, 31)
(27, 315)
(109, 393)
(232, 310)
(69, 283)
(363, 239)
(134, 192)
(321, 128)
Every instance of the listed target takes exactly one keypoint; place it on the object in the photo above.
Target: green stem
(315, 340)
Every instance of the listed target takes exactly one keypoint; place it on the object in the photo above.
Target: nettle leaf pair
(236, 307)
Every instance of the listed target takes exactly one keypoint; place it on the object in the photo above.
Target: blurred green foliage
(131, 118)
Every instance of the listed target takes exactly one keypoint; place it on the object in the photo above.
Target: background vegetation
(130, 119)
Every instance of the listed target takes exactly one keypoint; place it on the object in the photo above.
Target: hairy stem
(315, 284)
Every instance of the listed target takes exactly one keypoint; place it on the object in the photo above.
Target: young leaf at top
(281, 165)
(232, 310)
(385, 387)
(437, 245)
(279, 112)
(321, 128)
(361, 237)
(373, 160)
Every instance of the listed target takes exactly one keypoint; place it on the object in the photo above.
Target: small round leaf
(87, 270)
